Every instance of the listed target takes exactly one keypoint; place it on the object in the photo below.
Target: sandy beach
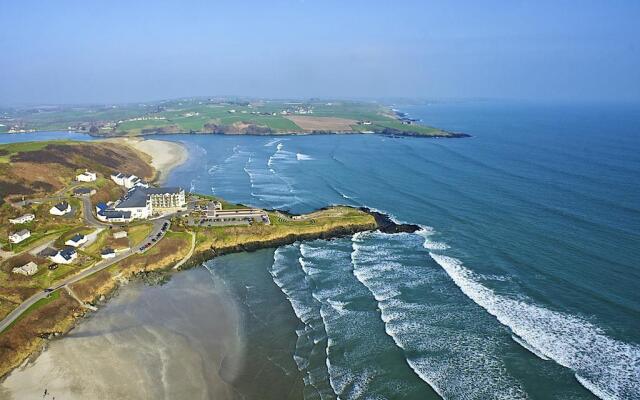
(126, 352)
(164, 155)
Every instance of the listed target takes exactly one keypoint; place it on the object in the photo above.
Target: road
(97, 267)
(87, 213)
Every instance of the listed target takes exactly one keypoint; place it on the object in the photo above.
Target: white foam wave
(527, 346)
(456, 364)
(307, 309)
(607, 367)
(426, 232)
(303, 157)
(272, 142)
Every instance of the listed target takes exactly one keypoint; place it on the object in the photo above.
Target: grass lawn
(94, 248)
(316, 223)
(138, 232)
(37, 238)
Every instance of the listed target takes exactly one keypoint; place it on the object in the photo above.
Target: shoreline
(103, 288)
(164, 155)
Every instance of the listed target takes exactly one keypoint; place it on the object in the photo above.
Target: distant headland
(220, 116)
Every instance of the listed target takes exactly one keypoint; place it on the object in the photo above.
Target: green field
(226, 116)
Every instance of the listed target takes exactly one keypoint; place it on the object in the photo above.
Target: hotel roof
(135, 198)
(163, 190)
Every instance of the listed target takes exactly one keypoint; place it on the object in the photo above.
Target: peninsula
(220, 116)
(77, 219)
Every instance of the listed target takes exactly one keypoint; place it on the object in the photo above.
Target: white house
(60, 209)
(86, 177)
(18, 237)
(128, 181)
(23, 219)
(27, 270)
(110, 215)
(108, 253)
(77, 240)
(65, 256)
(118, 178)
(131, 181)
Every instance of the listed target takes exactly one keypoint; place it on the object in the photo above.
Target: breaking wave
(607, 367)
(303, 157)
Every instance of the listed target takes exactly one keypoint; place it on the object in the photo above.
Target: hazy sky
(117, 51)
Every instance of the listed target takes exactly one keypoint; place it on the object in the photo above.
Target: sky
(63, 52)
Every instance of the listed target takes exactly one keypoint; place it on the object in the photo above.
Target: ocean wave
(426, 232)
(456, 363)
(272, 142)
(607, 367)
(294, 285)
(303, 157)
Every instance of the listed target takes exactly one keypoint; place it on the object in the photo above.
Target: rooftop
(134, 198)
(67, 252)
(76, 238)
(62, 206)
(163, 190)
(114, 214)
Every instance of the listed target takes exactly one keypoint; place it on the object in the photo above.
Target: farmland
(221, 116)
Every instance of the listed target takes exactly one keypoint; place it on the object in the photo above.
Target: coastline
(163, 155)
(63, 314)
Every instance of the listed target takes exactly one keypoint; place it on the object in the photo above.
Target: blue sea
(522, 283)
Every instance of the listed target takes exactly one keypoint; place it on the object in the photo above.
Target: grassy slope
(37, 168)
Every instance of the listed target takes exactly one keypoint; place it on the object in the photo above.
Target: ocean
(522, 283)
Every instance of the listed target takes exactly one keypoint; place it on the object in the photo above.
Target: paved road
(99, 266)
(87, 213)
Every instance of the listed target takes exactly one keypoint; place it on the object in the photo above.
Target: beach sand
(125, 351)
(164, 155)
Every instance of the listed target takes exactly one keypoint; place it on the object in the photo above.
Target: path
(188, 256)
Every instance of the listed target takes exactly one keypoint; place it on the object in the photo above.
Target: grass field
(281, 227)
(237, 117)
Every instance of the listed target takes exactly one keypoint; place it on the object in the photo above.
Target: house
(76, 240)
(108, 253)
(23, 219)
(60, 209)
(83, 191)
(131, 181)
(110, 215)
(65, 256)
(118, 178)
(87, 177)
(128, 181)
(119, 234)
(27, 270)
(18, 237)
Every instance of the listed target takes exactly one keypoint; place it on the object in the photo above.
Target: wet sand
(179, 340)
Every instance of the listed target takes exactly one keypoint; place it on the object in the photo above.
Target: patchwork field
(323, 123)
(222, 116)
